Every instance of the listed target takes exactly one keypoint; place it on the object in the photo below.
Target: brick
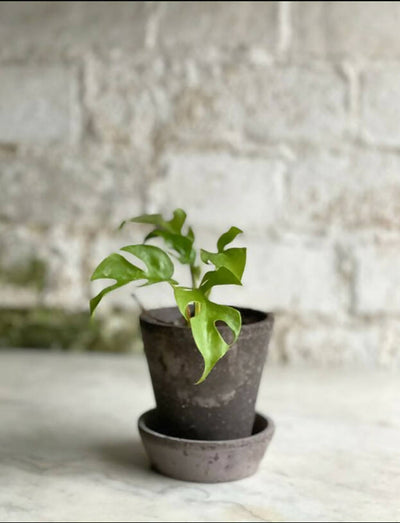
(284, 276)
(42, 269)
(389, 347)
(380, 106)
(355, 189)
(307, 103)
(22, 270)
(219, 188)
(18, 248)
(265, 104)
(127, 100)
(18, 297)
(205, 110)
(332, 345)
(377, 286)
(65, 286)
(220, 24)
(70, 28)
(346, 29)
(156, 101)
(89, 191)
(37, 104)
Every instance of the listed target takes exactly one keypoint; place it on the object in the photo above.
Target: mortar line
(285, 28)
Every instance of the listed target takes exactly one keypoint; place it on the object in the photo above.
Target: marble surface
(70, 450)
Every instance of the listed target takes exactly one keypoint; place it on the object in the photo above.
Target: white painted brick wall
(219, 188)
(280, 117)
(330, 345)
(59, 186)
(225, 25)
(349, 188)
(18, 247)
(217, 102)
(64, 287)
(337, 29)
(380, 105)
(293, 102)
(37, 104)
(275, 276)
(378, 279)
(44, 30)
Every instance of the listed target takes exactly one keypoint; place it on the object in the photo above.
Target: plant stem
(193, 276)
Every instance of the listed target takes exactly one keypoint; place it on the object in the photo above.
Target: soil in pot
(223, 406)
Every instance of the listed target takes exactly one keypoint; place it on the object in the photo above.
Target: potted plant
(205, 359)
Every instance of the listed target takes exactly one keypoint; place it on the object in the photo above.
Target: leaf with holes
(208, 339)
(229, 264)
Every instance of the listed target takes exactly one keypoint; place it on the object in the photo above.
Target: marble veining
(70, 450)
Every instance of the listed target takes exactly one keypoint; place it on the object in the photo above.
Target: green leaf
(159, 267)
(195, 271)
(190, 234)
(174, 225)
(181, 244)
(118, 268)
(171, 232)
(233, 259)
(227, 237)
(154, 219)
(114, 267)
(97, 299)
(221, 276)
(203, 324)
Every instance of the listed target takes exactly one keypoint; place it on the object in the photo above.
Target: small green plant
(193, 302)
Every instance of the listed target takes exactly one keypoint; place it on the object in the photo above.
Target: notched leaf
(233, 259)
(203, 315)
(159, 268)
(221, 276)
(228, 237)
(171, 232)
(118, 268)
(208, 339)
(180, 244)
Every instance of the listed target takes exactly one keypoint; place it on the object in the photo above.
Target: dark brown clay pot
(223, 406)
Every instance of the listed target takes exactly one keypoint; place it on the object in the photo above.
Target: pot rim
(268, 429)
(265, 317)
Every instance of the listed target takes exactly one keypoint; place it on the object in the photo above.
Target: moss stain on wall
(31, 273)
(60, 329)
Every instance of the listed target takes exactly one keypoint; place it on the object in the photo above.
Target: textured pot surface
(223, 406)
(204, 461)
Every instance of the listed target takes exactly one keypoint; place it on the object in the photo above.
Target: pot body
(223, 406)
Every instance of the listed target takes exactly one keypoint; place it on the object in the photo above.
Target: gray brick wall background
(279, 117)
